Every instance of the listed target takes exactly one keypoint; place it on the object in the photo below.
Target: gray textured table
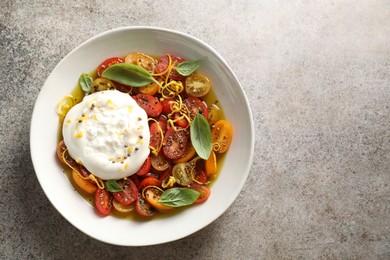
(317, 75)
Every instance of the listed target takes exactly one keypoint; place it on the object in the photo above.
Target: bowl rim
(170, 31)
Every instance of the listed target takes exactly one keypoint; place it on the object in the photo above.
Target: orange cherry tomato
(152, 195)
(189, 153)
(83, 184)
(203, 190)
(142, 60)
(211, 165)
(222, 133)
(150, 89)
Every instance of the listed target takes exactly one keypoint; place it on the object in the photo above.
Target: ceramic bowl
(45, 128)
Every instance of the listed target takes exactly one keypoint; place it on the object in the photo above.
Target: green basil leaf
(112, 186)
(85, 82)
(179, 197)
(188, 67)
(128, 74)
(201, 136)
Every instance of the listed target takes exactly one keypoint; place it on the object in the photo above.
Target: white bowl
(44, 137)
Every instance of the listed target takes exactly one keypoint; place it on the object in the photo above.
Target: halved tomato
(160, 162)
(163, 122)
(211, 165)
(142, 60)
(155, 135)
(182, 122)
(63, 155)
(107, 63)
(103, 201)
(101, 84)
(152, 195)
(163, 64)
(175, 143)
(122, 208)
(195, 106)
(145, 168)
(143, 208)
(148, 181)
(197, 85)
(203, 190)
(200, 175)
(150, 89)
(83, 184)
(189, 153)
(129, 193)
(222, 133)
(149, 103)
(166, 106)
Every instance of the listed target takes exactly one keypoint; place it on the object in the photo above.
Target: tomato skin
(166, 106)
(155, 135)
(195, 106)
(203, 190)
(60, 149)
(107, 63)
(145, 168)
(149, 103)
(180, 122)
(163, 64)
(129, 193)
(143, 208)
(163, 122)
(175, 143)
(222, 133)
(103, 201)
(148, 181)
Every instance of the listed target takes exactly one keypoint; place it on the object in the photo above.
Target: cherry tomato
(122, 208)
(166, 106)
(149, 103)
(165, 174)
(182, 122)
(64, 155)
(214, 114)
(189, 153)
(160, 162)
(203, 190)
(182, 173)
(195, 106)
(222, 133)
(150, 89)
(152, 195)
(84, 171)
(107, 63)
(148, 181)
(163, 122)
(155, 135)
(101, 84)
(103, 201)
(163, 64)
(129, 193)
(175, 143)
(145, 168)
(83, 184)
(211, 165)
(142, 60)
(197, 85)
(143, 208)
(200, 175)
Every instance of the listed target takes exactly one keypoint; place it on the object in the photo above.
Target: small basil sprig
(188, 67)
(129, 74)
(179, 197)
(201, 136)
(85, 82)
(112, 186)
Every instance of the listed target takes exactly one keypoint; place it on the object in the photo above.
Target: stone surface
(317, 76)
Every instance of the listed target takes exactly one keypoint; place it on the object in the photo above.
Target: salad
(140, 134)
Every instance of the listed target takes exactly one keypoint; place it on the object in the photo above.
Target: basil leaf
(179, 197)
(85, 82)
(188, 67)
(112, 186)
(201, 136)
(129, 74)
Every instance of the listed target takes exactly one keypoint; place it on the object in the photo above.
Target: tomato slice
(166, 106)
(155, 135)
(163, 122)
(101, 84)
(122, 208)
(150, 89)
(142, 60)
(107, 63)
(180, 122)
(200, 175)
(152, 195)
(148, 181)
(195, 106)
(189, 153)
(143, 208)
(149, 103)
(165, 174)
(160, 162)
(103, 201)
(64, 155)
(197, 85)
(214, 114)
(203, 190)
(211, 165)
(222, 133)
(129, 193)
(163, 64)
(175, 143)
(83, 184)
(145, 168)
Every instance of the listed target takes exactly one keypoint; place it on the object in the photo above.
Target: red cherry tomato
(129, 193)
(64, 155)
(149, 103)
(166, 106)
(180, 122)
(155, 135)
(163, 122)
(145, 168)
(107, 63)
(163, 64)
(200, 175)
(165, 174)
(148, 181)
(195, 106)
(203, 190)
(103, 201)
(143, 208)
(175, 143)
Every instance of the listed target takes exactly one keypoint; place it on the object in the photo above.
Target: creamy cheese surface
(108, 133)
